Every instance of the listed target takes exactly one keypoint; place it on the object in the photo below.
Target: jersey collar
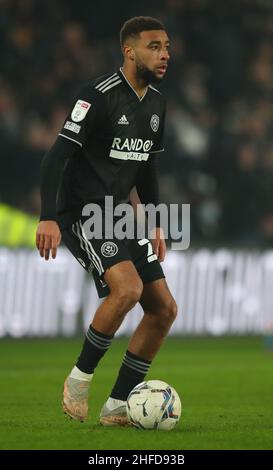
(132, 88)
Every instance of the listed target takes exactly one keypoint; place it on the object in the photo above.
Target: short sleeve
(84, 115)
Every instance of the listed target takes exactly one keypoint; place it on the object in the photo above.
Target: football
(154, 405)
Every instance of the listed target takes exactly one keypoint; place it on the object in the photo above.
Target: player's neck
(139, 86)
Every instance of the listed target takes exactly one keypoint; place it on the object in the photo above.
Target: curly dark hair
(134, 26)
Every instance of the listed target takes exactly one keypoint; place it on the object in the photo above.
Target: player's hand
(48, 238)
(158, 243)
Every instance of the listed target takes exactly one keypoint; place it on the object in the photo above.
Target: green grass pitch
(226, 387)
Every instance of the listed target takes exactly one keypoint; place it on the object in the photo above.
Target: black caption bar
(120, 458)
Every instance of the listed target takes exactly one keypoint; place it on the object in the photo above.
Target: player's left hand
(158, 243)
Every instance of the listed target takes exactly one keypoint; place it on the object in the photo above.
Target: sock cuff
(137, 358)
(136, 363)
(97, 339)
(101, 335)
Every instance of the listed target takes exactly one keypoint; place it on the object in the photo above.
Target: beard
(145, 75)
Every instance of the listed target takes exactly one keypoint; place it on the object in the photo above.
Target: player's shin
(133, 371)
(96, 344)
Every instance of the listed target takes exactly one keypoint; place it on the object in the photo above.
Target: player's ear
(132, 54)
(129, 52)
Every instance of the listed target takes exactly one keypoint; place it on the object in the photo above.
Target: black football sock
(94, 347)
(131, 373)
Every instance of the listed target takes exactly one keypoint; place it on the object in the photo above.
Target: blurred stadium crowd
(219, 89)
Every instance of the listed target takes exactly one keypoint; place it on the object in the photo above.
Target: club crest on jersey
(80, 110)
(109, 249)
(154, 122)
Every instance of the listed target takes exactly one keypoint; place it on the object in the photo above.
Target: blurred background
(218, 158)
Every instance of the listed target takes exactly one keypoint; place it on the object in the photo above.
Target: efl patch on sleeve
(71, 126)
(80, 110)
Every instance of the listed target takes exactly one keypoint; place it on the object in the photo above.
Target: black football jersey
(116, 132)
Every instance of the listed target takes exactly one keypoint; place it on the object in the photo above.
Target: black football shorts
(97, 255)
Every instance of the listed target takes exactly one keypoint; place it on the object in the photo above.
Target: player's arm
(88, 109)
(48, 235)
(148, 193)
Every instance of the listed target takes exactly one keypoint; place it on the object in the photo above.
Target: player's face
(152, 55)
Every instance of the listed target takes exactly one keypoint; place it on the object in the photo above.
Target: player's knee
(167, 314)
(128, 295)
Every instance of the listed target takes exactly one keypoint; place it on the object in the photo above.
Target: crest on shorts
(109, 249)
(154, 122)
(80, 110)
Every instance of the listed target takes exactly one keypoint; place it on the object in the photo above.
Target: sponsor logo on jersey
(154, 122)
(135, 145)
(131, 149)
(71, 126)
(109, 249)
(80, 110)
(123, 120)
(129, 155)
